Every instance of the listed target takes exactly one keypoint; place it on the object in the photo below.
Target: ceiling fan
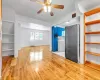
(47, 6)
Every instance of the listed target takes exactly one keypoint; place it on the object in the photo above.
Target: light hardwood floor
(38, 63)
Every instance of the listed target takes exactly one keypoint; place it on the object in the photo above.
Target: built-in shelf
(7, 34)
(8, 42)
(8, 38)
(92, 22)
(92, 43)
(8, 21)
(93, 32)
(92, 53)
(8, 50)
(91, 12)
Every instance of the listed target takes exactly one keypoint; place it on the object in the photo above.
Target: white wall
(25, 37)
(8, 14)
(25, 19)
(65, 18)
(82, 39)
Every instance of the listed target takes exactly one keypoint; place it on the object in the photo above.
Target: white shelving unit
(7, 38)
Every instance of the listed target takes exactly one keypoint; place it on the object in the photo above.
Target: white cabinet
(61, 44)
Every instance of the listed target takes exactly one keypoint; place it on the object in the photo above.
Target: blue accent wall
(56, 31)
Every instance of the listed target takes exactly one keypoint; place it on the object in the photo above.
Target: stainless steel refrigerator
(72, 43)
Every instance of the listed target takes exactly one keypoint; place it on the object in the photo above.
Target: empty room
(49, 39)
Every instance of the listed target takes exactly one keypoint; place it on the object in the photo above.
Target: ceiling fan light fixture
(45, 9)
(50, 1)
(49, 8)
(67, 22)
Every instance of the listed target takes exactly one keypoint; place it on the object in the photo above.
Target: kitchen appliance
(72, 43)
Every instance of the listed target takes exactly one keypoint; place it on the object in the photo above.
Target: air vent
(73, 15)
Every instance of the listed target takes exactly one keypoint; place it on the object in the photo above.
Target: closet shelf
(8, 38)
(97, 10)
(92, 42)
(96, 32)
(92, 22)
(8, 50)
(8, 42)
(92, 53)
(8, 21)
(7, 34)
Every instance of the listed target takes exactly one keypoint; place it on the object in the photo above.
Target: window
(36, 36)
(63, 33)
(32, 36)
(41, 36)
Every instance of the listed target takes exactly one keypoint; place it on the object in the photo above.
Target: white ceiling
(89, 4)
(29, 8)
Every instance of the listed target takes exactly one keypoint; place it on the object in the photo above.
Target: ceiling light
(67, 22)
(49, 8)
(50, 1)
(45, 8)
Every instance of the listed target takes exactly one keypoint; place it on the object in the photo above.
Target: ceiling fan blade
(40, 11)
(58, 6)
(37, 1)
(45, 1)
(51, 13)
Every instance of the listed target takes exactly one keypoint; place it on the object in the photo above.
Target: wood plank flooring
(38, 63)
